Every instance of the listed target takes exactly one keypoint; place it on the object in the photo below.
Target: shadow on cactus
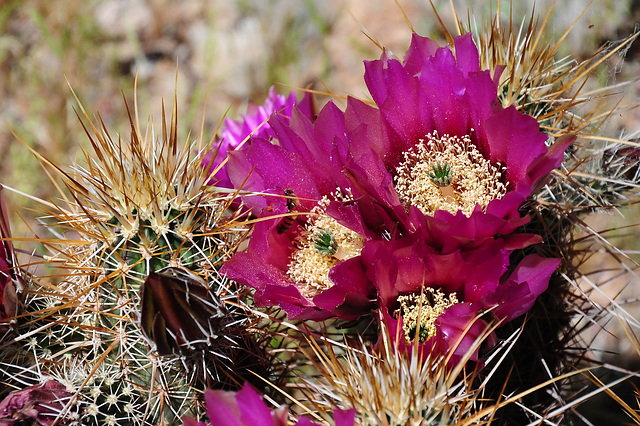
(137, 247)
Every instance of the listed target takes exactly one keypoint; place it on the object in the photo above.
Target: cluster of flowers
(407, 209)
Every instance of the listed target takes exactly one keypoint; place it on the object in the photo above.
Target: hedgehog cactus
(139, 210)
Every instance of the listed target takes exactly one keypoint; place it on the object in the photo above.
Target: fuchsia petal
(344, 417)
(467, 55)
(269, 168)
(397, 95)
(514, 140)
(551, 160)
(254, 123)
(222, 408)
(482, 89)
(352, 295)
(381, 267)
(481, 277)
(518, 293)
(359, 216)
(374, 77)
(316, 146)
(247, 407)
(369, 173)
(420, 48)
(253, 408)
(458, 330)
(367, 122)
(444, 86)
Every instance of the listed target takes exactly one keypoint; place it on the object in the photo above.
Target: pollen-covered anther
(420, 311)
(319, 248)
(447, 173)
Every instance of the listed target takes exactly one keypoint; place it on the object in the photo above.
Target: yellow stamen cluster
(420, 311)
(474, 180)
(308, 267)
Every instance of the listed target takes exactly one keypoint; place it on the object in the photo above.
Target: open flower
(441, 146)
(247, 408)
(313, 222)
(447, 302)
(255, 122)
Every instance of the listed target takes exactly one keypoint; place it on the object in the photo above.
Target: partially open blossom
(450, 299)
(178, 312)
(255, 122)
(456, 334)
(247, 408)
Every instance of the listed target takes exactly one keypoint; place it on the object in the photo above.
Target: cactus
(139, 214)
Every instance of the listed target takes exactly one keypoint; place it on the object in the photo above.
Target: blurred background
(229, 53)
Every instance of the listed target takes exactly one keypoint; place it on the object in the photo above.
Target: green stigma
(441, 174)
(325, 243)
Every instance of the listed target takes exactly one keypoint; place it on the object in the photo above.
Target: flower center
(322, 244)
(447, 173)
(420, 311)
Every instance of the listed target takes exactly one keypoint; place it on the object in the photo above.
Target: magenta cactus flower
(448, 302)
(247, 408)
(254, 123)
(321, 221)
(441, 146)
